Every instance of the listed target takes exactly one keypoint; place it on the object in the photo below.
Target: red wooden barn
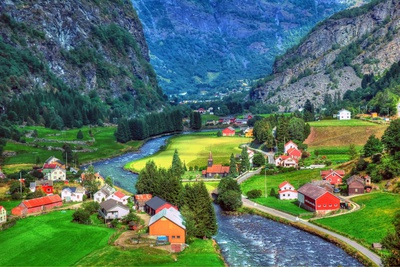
(228, 131)
(37, 205)
(314, 198)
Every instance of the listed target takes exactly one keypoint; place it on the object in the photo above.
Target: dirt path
(311, 137)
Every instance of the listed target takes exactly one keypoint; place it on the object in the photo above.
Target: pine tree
(232, 167)
(177, 166)
(245, 162)
(79, 135)
(149, 180)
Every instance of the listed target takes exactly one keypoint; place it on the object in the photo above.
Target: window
(324, 205)
(319, 206)
(173, 237)
(283, 194)
(356, 190)
(178, 236)
(330, 205)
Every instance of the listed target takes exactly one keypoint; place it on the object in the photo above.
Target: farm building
(45, 185)
(120, 197)
(287, 191)
(3, 214)
(112, 209)
(228, 132)
(314, 198)
(72, 194)
(290, 145)
(344, 115)
(140, 201)
(215, 169)
(355, 185)
(104, 193)
(169, 223)
(285, 161)
(156, 204)
(37, 205)
(333, 176)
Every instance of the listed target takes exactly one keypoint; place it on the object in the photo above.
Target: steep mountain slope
(334, 56)
(208, 45)
(59, 50)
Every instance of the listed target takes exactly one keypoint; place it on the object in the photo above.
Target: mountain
(206, 46)
(87, 60)
(335, 56)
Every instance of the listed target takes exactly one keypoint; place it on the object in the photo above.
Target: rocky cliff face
(200, 45)
(93, 45)
(335, 55)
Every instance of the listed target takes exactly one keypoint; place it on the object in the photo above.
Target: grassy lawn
(9, 205)
(209, 185)
(199, 253)
(194, 150)
(296, 178)
(371, 223)
(102, 144)
(50, 239)
(341, 123)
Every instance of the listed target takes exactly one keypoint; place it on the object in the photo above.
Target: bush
(81, 216)
(255, 193)
(91, 207)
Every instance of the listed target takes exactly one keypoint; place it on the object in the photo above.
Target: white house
(3, 214)
(287, 191)
(104, 193)
(286, 161)
(112, 209)
(72, 194)
(54, 172)
(290, 145)
(120, 197)
(344, 114)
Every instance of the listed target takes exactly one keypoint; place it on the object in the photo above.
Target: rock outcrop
(334, 56)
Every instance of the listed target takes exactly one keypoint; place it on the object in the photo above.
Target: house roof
(218, 168)
(50, 166)
(107, 190)
(328, 172)
(42, 201)
(291, 142)
(72, 189)
(156, 202)
(343, 110)
(119, 194)
(311, 190)
(293, 151)
(109, 204)
(287, 190)
(44, 182)
(171, 214)
(229, 129)
(355, 178)
(1, 207)
(283, 184)
(143, 197)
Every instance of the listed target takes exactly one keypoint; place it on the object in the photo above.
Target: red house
(333, 176)
(314, 198)
(37, 205)
(294, 153)
(215, 169)
(228, 131)
(156, 204)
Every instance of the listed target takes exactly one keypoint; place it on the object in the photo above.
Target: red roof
(294, 152)
(50, 166)
(328, 172)
(119, 194)
(291, 142)
(1, 207)
(36, 202)
(143, 197)
(283, 184)
(287, 190)
(218, 168)
(228, 130)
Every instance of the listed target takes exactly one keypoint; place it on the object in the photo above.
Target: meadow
(50, 239)
(371, 223)
(271, 182)
(194, 150)
(99, 144)
(198, 253)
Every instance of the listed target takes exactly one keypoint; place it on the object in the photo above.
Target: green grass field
(10, 204)
(194, 150)
(102, 145)
(50, 240)
(341, 123)
(199, 253)
(296, 178)
(371, 223)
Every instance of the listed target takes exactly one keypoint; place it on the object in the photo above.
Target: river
(246, 240)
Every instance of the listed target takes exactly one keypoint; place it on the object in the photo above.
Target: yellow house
(374, 115)
(248, 132)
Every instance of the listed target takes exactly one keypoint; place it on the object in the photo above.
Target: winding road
(372, 256)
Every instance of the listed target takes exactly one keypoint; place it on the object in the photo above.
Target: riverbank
(362, 254)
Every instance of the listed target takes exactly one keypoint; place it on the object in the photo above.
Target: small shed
(355, 185)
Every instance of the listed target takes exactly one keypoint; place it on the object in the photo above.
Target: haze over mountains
(208, 45)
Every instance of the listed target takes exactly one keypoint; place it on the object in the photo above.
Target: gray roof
(311, 190)
(171, 214)
(156, 202)
(108, 190)
(355, 178)
(111, 203)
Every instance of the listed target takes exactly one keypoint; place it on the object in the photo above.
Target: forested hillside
(202, 46)
(73, 63)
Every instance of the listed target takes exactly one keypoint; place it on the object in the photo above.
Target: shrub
(255, 193)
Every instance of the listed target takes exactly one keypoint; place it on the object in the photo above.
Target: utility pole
(265, 176)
